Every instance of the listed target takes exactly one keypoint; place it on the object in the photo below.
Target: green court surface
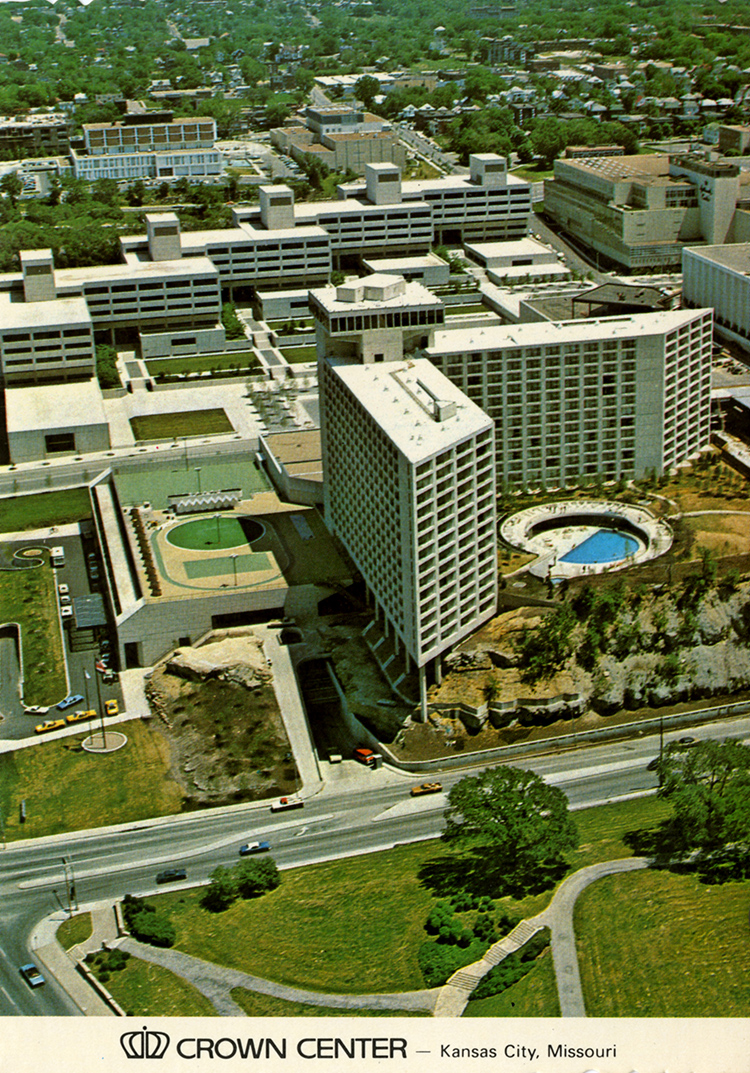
(214, 532)
(155, 480)
(244, 564)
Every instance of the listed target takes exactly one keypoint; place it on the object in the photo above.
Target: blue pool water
(604, 546)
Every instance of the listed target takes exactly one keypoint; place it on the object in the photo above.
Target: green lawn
(67, 789)
(654, 944)
(146, 990)
(75, 930)
(182, 423)
(297, 354)
(19, 513)
(200, 363)
(256, 1005)
(28, 598)
(535, 995)
(457, 311)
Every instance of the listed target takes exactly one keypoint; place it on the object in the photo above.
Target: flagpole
(101, 713)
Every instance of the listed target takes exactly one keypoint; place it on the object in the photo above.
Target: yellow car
(111, 707)
(78, 717)
(51, 724)
(427, 788)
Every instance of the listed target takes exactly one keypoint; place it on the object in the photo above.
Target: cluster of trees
(146, 923)
(247, 879)
(232, 324)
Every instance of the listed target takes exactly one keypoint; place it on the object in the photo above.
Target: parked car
(169, 875)
(51, 724)
(254, 847)
(66, 612)
(63, 589)
(80, 717)
(286, 803)
(70, 700)
(36, 709)
(111, 707)
(64, 600)
(364, 756)
(31, 975)
(109, 676)
(426, 788)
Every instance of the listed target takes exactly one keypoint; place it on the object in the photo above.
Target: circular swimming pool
(578, 537)
(215, 532)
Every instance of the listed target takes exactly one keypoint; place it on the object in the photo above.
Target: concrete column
(438, 671)
(423, 694)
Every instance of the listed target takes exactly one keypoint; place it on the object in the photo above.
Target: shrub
(148, 926)
(438, 961)
(256, 877)
(512, 968)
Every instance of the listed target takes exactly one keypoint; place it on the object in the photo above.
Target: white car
(66, 612)
(63, 589)
(36, 709)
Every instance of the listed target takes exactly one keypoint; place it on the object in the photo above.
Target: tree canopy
(517, 824)
(708, 786)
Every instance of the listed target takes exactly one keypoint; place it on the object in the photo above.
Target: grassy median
(28, 598)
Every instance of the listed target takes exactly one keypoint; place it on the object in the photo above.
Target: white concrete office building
(719, 276)
(617, 396)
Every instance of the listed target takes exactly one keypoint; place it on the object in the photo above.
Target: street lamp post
(198, 475)
(218, 523)
(234, 566)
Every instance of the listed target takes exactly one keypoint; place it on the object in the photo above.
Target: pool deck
(586, 517)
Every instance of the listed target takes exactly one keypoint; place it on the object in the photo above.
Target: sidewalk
(62, 964)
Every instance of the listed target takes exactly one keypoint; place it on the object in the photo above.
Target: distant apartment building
(143, 147)
(616, 396)
(719, 276)
(639, 212)
(734, 139)
(36, 134)
(342, 138)
(409, 483)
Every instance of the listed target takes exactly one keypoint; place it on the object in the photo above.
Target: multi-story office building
(614, 396)
(409, 485)
(719, 276)
(640, 212)
(487, 204)
(37, 134)
(342, 138)
(144, 147)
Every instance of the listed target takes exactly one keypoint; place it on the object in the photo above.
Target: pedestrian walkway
(558, 917)
(217, 981)
(62, 964)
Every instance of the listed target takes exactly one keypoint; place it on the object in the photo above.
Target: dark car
(254, 847)
(169, 875)
(31, 975)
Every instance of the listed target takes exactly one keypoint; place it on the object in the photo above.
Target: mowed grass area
(257, 1005)
(298, 354)
(148, 990)
(67, 789)
(320, 910)
(74, 930)
(655, 944)
(19, 513)
(28, 598)
(535, 995)
(182, 423)
(202, 363)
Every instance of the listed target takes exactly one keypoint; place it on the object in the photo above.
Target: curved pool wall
(555, 532)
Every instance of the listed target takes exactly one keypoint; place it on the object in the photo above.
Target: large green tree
(708, 786)
(516, 828)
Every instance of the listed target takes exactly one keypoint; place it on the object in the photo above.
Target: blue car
(74, 698)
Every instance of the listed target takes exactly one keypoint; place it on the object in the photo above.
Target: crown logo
(144, 1044)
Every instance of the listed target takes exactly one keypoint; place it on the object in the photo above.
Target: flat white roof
(543, 333)
(57, 312)
(54, 406)
(521, 247)
(427, 260)
(401, 397)
(133, 271)
(414, 294)
(735, 255)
